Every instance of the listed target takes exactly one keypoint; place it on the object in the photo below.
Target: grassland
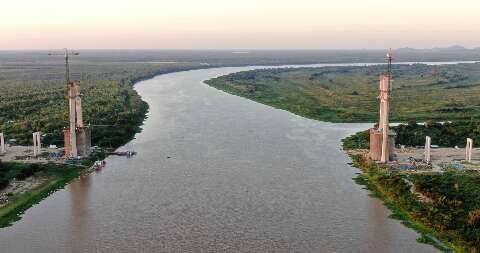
(349, 94)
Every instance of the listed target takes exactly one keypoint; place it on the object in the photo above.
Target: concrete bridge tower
(77, 136)
(382, 139)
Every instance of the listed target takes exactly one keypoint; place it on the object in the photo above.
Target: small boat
(98, 165)
(131, 153)
(123, 153)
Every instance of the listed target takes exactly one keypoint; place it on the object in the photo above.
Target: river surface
(216, 173)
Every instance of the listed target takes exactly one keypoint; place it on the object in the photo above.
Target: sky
(238, 24)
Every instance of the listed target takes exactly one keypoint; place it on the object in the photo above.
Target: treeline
(446, 134)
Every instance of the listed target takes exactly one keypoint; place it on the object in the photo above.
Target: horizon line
(241, 50)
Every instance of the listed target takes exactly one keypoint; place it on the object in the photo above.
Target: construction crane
(67, 66)
(389, 62)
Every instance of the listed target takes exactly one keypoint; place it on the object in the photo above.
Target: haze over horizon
(247, 24)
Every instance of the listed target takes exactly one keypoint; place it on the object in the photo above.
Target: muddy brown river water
(216, 173)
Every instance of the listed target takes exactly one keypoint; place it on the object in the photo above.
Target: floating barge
(123, 153)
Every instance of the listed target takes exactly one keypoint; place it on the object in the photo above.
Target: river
(216, 173)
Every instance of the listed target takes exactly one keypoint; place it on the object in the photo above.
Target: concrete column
(78, 104)
(35, 144)
(381, 109)
(2, 144)
(72, 122)
(39, 143)
(385, 137)
(428, 144)
(468, 150)
(385, 83)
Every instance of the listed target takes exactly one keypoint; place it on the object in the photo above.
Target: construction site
(426, 159)
(77, 136)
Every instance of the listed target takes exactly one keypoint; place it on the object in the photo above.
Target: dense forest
(349, 94)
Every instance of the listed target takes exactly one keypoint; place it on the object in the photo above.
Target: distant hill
(455, 52)
(454, 48)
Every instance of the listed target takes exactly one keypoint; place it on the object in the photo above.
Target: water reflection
(80, 217)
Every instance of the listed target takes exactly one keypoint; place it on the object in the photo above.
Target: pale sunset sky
(238, 24)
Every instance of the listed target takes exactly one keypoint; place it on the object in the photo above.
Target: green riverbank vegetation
(446, 134)
(349, 94)
(34, 182)
(45, 179)
(444, 206)
(449, 206)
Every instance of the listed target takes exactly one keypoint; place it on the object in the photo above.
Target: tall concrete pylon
(36, 143)
(78, 104)
(77, 136)
(385, 88)
(428, 145)
(382, 138)
(39, 143)
(75, 123)
(384, 123)
(2, 144)
(72, 101)
(468, 151)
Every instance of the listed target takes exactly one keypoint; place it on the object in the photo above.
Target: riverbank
(442, 206)
(428, 233)
(440, 202)
(114, 124)
(47, 179)
(23, 185)
(392, 189)
(451, 212)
